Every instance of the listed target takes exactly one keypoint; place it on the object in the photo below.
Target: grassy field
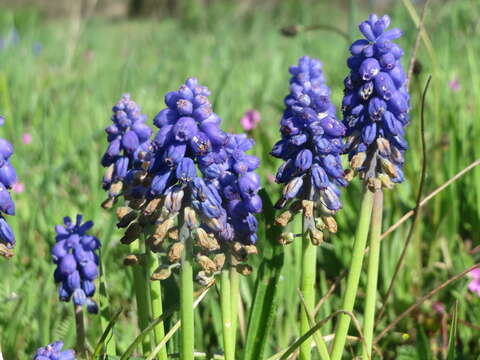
(63, 98)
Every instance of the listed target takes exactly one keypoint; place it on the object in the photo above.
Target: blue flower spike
(375, 105)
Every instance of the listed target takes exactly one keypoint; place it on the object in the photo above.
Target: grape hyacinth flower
(54, 351)
(376, 104)
(8, 178)
(311, 145)
(128, 137)
(77, 262)
(193, 170)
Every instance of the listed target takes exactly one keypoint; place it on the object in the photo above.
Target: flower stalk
(225, 295)
(234, 299)
(186, 296)
(141, 295)
(372, 274)
(80, 329)
(354, 275)
(156, 303)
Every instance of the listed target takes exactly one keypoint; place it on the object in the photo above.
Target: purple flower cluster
(311, 141)
(233, 173)
(77, 262)
(128, 136)
(8, 177)
(54, 351)
(376, 103)
(189, 134)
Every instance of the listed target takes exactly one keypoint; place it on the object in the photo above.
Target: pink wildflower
(454, 85)
(250, 120)
(18, 187)
(474, 285)
(27, 138)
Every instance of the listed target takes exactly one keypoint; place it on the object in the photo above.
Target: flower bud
(286, 238)
(219, 260)
(163, 272)
(175, 252)
(130, 260)
(206, 264)
(244, 269)
(330, 224)
(125, 216)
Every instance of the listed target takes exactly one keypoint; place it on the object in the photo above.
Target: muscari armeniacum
(128, 137)
(77, 262)
(376, 104)
(311, 145)
(8, 178)
(195, 171)
(54, 351)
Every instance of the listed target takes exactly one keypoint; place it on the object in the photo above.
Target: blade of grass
(452, 337)
(102, 342)
(264, 303)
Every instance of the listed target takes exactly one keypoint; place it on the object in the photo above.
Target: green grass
(63, 98)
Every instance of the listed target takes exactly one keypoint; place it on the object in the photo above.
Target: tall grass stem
(354, 274)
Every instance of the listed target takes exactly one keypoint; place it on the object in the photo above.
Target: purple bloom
(8, 178)
(54, 351)
(250, 120)
(77, 262)
(311, 139)
(376, 104)
(27, 138)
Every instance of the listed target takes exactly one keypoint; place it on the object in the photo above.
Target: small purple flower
(250, 120)
(77, 262)
(54, 351)
(474, 284)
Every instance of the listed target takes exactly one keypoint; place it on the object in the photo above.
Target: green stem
(226, 315)
(156, 303)
(80, 327)
(372, 275)
(354, 274)
(141, 295)
(105, 313)
(186, 301)
(234, 298)
(309, 262)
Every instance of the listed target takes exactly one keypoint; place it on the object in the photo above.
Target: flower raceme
(54, 351)
(77, 262)
(128, 136)
(8, 178)
(376, 104)
(194, 171)
(311, 145)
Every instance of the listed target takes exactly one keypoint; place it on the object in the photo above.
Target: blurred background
(64, 64)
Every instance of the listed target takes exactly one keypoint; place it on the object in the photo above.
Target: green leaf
(102, 342)
(264, 304)
(452, 337)
(423, 346)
